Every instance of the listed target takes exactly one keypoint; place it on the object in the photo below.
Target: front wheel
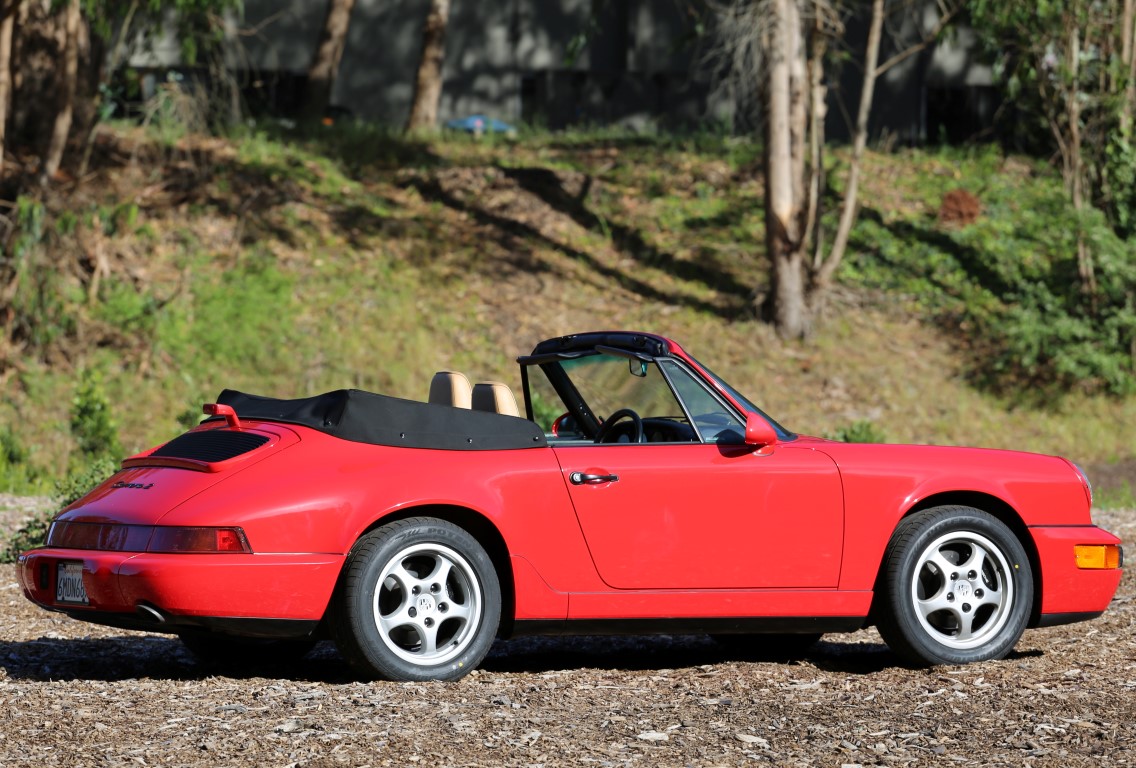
(420, 600)
(956, 587)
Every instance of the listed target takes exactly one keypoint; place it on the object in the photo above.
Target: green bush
(97, 459)
(83, 479)
(862, 431)
(32, 534)
(96, 436)
(16, 473)
(95, 432)
(67, 491)
(1009, 285)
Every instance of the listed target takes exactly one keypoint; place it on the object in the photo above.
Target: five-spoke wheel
(956, 587)
(420, 601)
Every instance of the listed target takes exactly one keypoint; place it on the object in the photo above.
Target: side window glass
(715, 422)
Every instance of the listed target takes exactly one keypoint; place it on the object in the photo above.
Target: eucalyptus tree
(782, 50)
(1069, 68)
(329, 53)
(58, 59)
(428, 81)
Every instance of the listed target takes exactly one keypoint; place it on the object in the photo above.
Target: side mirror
(565, 426)
(759, 433)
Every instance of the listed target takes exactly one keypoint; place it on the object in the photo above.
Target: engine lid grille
(210, 446)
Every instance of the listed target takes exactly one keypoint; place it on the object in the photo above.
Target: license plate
(69, 589)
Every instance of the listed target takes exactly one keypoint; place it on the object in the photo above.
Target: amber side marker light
(1097, 556)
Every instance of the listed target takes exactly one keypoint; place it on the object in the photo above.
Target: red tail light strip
(115, 537)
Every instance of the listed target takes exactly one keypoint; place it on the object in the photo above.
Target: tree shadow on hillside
(959, 291)
(973, 261)
(512, 230)
(201, 171)
(547, 185)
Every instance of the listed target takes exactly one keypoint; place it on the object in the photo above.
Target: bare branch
(929, 38)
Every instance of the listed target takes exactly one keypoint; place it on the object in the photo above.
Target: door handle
(581, 478)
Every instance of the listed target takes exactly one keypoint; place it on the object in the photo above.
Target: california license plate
(69, 589)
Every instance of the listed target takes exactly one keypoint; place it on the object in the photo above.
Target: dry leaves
(76, 695)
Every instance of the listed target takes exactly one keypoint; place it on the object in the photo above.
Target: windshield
(576, 397)
(607, 383)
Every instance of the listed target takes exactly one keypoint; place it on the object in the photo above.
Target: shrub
(1008, 283)
(862, 431)
(94, 430)
(16, 474)
(67, 491)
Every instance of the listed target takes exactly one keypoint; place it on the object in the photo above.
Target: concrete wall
(508, 59)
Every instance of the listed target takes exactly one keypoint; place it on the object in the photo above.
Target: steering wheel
(609, 423)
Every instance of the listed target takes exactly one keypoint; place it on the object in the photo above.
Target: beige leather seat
(495, 397)
(450, 388)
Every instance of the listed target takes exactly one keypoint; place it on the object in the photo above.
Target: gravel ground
(73, 695)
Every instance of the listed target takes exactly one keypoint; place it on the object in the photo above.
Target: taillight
(105, 537)
(169, 539)
(115, 537)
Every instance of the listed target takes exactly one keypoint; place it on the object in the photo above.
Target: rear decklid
(153, 483)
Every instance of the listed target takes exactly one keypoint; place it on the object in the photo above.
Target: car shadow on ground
(644, 653)
(158, 657)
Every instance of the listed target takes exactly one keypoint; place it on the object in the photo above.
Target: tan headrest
(496, 397)
(450, 388)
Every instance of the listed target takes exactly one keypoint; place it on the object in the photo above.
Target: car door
(707, 516)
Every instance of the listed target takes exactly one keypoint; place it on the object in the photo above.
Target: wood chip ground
(77, 695)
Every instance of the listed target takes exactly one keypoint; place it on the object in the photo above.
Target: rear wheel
(956, 587)
(420, 600)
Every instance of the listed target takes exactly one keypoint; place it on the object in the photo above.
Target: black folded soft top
(364, 417)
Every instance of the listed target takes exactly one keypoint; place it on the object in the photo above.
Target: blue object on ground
(479, 124)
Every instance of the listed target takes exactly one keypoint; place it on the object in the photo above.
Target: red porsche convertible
(637, 492)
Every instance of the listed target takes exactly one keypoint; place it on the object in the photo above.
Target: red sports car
(638, 493)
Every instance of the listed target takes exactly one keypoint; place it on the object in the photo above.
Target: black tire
(768, 647)
(235, 653)
(956, 587)
(419, 600)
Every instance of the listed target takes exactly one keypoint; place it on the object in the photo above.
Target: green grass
(350, 257)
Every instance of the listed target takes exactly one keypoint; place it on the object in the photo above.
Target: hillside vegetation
(289, 264)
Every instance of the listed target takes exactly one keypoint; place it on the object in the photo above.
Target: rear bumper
(187, 589)
(1066, 590)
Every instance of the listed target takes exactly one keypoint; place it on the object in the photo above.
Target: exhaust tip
(151, 613)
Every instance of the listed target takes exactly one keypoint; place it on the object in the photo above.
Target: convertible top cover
(364, 417)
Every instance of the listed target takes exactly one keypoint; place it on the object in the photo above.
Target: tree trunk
(1075, 162)
(818, 180)
(66, 84)
(787, 306)
(1128, 59)
(325, 63)
(827, 269)
(428, 84)
(117, 53)
(7, 25)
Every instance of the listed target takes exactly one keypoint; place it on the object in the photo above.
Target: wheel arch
(487, 535)
(1004, 513)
